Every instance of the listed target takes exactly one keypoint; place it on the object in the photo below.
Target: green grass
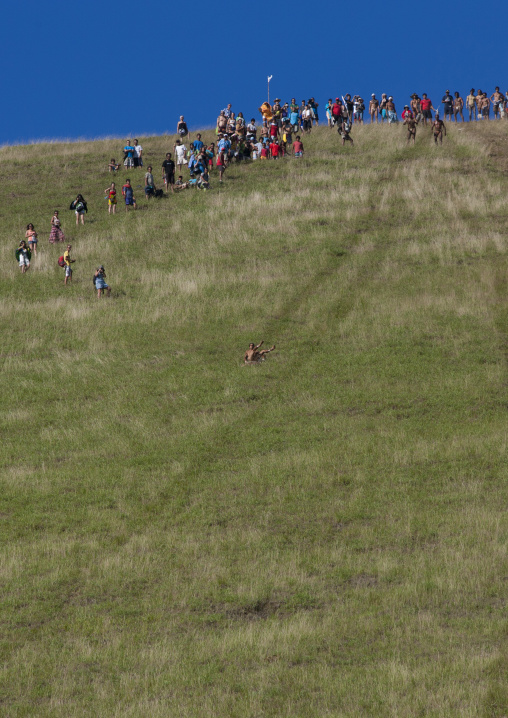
(321, 535)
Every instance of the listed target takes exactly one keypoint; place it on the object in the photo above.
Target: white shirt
(139, 150)
(180, 153)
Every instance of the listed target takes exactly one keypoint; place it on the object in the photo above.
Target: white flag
(270, 78)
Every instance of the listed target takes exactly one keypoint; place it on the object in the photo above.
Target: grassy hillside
(321, 535)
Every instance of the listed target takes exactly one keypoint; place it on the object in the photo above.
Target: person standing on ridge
(181, 128)
(448, 105)
(496, 99)
(458, 104)
(128, 153)
(471, 105)
(373, 108)
(426, 105)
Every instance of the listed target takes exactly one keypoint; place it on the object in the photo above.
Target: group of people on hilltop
(276, 137)
(477, 103)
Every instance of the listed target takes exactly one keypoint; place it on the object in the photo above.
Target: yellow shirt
(67, 258)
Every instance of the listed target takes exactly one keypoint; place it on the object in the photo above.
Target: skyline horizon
(112, 75)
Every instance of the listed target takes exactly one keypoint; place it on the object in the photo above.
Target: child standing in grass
(56, 234)
(31, 236)
(110, 192)
(68, 261)
(221, 164)
(128, 194)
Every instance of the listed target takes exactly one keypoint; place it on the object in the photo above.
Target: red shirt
(274, 149)
(336, 109)
(426, 104)
(297, 146)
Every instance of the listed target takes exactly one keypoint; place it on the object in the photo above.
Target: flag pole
(269, 78)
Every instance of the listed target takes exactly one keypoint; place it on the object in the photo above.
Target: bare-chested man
(253, 355)
(222, 122)
(416, 107)
(485, 107)
(496, 99)
(374, 108)
(471, 105)
(438, 127)
(410, 123)
(479, 104)
(458, 104)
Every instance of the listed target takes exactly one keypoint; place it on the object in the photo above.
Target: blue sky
(130, 69)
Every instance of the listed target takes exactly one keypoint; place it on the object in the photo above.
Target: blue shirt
(129, 150)
(198, 145)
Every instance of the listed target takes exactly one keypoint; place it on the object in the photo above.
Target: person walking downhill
(23, 256)
(79, 207)
(56, 234)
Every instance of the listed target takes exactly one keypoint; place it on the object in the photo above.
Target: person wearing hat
(382, 107)
(373, 108)
(391, 111)
(471, 104)
(415, 106)
(99, 280)
(406, 112)
(277, 112)
(448, 105)
(358, 109)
